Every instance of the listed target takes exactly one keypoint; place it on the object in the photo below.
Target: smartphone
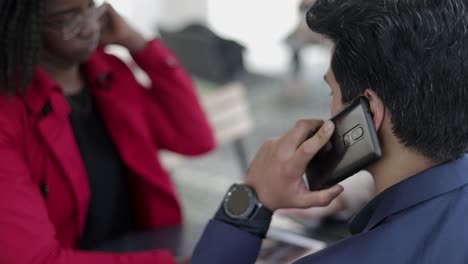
(353, 146)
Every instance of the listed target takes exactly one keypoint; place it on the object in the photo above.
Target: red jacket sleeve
(26, 233)
(173, 107)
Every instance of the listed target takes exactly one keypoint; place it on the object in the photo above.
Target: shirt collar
(412, 191)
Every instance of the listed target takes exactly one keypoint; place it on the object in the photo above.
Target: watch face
(239, 201)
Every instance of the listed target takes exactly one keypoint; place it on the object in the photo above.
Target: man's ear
(376, 107)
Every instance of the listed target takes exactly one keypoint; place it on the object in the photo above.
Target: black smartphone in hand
(353, 146)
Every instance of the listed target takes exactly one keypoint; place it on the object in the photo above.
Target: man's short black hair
(414, 55)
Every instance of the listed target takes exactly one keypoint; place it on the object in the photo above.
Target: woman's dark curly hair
(20, 41)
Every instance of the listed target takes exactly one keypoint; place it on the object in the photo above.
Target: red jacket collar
(44, 92)
(98, 70)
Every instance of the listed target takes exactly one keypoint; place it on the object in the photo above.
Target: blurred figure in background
(79, 135)
(301, 36)
(297, 41)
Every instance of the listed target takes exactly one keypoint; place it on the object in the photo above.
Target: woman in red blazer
(79, 136)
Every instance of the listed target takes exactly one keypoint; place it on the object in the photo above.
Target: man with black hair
(409, 58)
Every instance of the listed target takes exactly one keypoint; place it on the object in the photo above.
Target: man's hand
(277, 170)
(115, 30)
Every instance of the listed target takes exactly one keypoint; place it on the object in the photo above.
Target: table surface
(182, 240)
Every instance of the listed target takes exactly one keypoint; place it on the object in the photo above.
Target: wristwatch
(241, 202)
(242, 209)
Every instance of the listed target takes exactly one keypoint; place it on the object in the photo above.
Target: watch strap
(258, 224)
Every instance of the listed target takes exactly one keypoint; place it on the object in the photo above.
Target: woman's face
(71, 30)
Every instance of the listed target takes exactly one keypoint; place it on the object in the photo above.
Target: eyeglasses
(72, 27)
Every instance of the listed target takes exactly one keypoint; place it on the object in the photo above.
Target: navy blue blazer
(423, 219)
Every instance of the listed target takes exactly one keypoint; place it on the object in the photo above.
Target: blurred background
(274, 77)
(260, 25)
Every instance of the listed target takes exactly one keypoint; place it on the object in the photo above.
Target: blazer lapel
(126, 126)
(52, 110)
(123, 116)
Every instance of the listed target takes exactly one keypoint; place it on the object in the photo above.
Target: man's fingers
(296, 135)
(320, 198)
(310, 147)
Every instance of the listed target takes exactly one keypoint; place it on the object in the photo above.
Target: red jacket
(45, 193)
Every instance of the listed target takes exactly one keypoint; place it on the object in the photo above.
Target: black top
(109, 214)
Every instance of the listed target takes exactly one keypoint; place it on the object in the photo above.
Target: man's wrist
(241, 208)
(257, 225)
(262, 197)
